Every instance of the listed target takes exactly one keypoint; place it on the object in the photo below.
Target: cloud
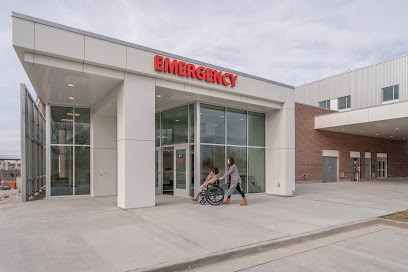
(287, 41)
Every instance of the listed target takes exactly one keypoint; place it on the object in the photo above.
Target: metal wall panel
(364, 85)
(32, 145)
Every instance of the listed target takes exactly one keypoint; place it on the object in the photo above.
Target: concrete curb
(393, 223)
(202, 260)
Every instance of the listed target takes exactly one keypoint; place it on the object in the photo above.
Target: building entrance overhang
(388, 121)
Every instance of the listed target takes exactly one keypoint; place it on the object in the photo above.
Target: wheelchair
(213, 195)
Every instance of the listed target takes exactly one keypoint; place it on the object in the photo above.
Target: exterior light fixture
(241, 119)
(72, 98)
(70, 85)
(158, 95)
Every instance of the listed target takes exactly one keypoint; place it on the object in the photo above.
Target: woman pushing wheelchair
(234, 182)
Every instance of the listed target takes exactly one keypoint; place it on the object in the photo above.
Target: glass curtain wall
(172, 127)
(70, 151)
(240, 134)
(224, 132)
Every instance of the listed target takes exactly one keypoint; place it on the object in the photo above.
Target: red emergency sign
(189, 70)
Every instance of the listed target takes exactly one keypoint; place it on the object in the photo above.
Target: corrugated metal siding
(364, 85)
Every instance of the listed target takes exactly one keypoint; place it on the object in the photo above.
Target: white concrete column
(280, 152)
(103, 154)
(135, 142)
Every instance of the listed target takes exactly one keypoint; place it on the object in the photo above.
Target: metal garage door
(329, 169)
(32, 145)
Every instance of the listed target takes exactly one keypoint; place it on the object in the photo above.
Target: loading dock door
(329, 169)
(32, 146)
(367, 169)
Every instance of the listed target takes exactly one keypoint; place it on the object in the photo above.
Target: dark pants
(238, 189)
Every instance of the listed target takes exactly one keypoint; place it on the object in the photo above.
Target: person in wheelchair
(211, 179)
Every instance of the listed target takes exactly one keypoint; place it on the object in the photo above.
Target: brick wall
(311, 142)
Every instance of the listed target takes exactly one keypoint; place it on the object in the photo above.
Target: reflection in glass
(61, 125)
(388, 94)
(240, 157)
(342, 102)
(212, 124)
(256, 129)
(157, 128)
(191, 114)
(82, 170)
(156, 168)
(168, 173)
(191, 170)
(175, 126)
(181, 168)
(61, 170)
(236, 127)
(211, 156)
(82, 126)
(256, 170)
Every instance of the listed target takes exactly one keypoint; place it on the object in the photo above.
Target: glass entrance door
(382, 168)
(158, 183)
(168, 170)
(181, 186)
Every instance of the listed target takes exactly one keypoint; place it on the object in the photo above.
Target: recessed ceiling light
(158, 95)
(66, 120)
(215, 125)
(222, 116)
(70, 85)
(396, 128)
(403, 138)
(377, 134)
(177, 120)
(362, 131)
(71, 98)
(72, 114)
(379, 125)
(241, 119)
(342, 129)
(391, 136)
(201, 113)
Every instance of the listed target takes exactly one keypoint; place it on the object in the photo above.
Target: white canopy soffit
(388, 121)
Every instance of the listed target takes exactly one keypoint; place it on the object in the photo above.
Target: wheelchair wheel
(215, 195)
(202, 201)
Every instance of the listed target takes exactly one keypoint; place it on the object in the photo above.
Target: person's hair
(215, 170)
(231, 160)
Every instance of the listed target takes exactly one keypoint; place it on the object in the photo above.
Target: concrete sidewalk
(92, 234)
(375, 248)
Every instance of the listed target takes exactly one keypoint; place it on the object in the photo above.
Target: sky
(292, 42)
